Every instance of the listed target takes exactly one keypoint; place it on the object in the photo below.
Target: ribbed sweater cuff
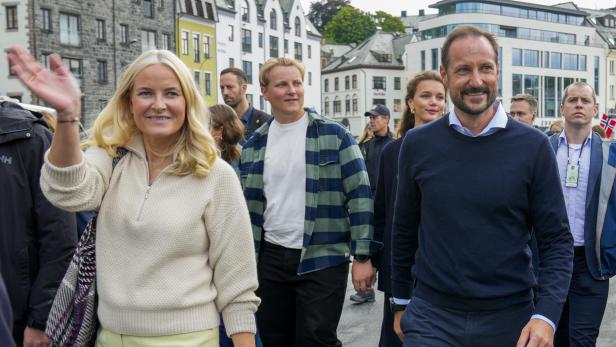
(240, 318)
(69, 176)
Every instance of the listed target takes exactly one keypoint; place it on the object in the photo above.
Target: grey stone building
(97, 39)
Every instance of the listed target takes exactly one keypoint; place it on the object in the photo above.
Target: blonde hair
(195, 150)
(271, 63)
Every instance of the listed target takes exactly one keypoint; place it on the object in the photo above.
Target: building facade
(369, 74)
(15, 31)
(196, 38)
(542, 48)
(95, 39)
(250, 32)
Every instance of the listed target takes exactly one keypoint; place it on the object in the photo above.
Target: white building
(369, 74)
(13, 17)
(249, 32)
(542, 48)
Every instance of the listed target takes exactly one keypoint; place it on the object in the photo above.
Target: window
(309, 78)
(549, 96)
(337, 105)
(347, 82)
(166, 39)
(231, 36)
(326, 106)
(570, 61)
(555, 60)
(247, 67)
(309, 52)
(74, 65)
(347, 104)
(354, 103)
(531, 58)
(422, 54)
(531, 85)
(198, 80)
(273, 46)
(11, 17)
(286, 46)
(69, 29)
(611, 92)
(397, 105)
(206, 46)
(261, 102)
(124, 34)
(378, 82)
(326, 85)
(516, 84)
(298, 27)
(582, 61)
(101, 71)
(260, 40)
(100, 30)
(197, 47)
(148, 40)
(46, 19)
(246, 41)
(45, 60)
(378, 102)
(273, 20)
(298, 51)
(230, 4)
(611, 67)
(148, 8)
(161, 3)
(546, 59)
(245, 11)
(336, 83)
(516, 57)
(434, 53)
(10, 67)
(185, 42)
(249, 97)
(231, 62)
(397, 83)
(354, 82)
(208, 84)
(596, 70)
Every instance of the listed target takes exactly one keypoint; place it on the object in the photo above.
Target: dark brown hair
(240, 74)
(407, 122)
(464, 31)
(224, 116)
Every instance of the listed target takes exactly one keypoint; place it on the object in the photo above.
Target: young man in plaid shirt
(310, 203)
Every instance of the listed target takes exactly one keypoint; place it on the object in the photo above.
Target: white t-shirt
(284, 179)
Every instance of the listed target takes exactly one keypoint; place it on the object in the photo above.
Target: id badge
(573, 172)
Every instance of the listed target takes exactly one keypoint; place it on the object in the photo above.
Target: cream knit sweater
(170, 255)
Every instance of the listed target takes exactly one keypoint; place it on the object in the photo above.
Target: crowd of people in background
(227, 226)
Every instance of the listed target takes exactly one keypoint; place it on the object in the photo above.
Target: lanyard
(572, 174)
(579, 157)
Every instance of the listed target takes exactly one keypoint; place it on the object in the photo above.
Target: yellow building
(196, 44)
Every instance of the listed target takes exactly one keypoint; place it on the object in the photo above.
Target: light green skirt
(205, 338)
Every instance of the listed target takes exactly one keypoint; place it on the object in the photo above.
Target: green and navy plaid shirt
(339, 213)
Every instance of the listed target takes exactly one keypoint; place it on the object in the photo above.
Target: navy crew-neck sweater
(464, 213)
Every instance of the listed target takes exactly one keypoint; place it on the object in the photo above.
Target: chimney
(403, 14)
(421, 13)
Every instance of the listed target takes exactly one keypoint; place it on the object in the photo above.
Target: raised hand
(57, 87)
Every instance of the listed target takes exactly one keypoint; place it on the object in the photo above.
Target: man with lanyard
(233, 86)
(466, 205)
(580, 157)
(308, 194)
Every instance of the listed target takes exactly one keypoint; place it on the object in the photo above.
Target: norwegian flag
(604, 121)
(610, 128)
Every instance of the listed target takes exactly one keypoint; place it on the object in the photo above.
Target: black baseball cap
(378, 110)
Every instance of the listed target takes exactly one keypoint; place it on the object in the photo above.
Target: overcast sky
(413, 6)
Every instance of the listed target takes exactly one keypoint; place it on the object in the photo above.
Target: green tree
(388, 23)
(321, 12)
(349, 25)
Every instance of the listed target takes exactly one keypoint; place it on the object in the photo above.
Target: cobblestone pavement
(360, 324)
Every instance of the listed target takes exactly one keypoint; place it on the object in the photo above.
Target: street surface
(360, 325)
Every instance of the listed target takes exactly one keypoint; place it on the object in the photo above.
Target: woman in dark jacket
(425, 101)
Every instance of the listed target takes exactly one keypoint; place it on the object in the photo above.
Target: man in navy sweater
(467, 202)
